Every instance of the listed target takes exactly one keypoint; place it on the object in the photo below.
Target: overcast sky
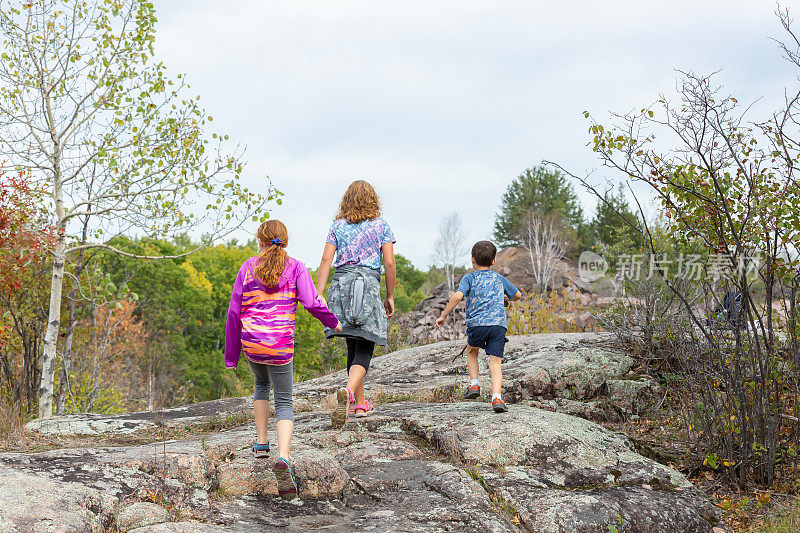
(440, 104)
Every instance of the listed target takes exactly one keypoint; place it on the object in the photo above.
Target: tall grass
(787, 521)
(12, 420)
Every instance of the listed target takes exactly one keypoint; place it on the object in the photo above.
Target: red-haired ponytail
(273, 237)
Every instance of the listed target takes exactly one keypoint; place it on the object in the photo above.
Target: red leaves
(24, 236)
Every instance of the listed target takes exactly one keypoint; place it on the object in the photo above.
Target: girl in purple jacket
(261, 320)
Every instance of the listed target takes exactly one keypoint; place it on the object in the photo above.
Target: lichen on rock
(412, 466)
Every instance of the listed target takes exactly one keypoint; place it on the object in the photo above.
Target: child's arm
(233, 328)
(517, 296)
(325, 267)
(511, 293)
(457, 297)
(308, 296)
(391, 277)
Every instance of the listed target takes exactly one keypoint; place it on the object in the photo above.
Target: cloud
(441, 104)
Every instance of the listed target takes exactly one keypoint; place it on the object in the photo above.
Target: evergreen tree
(610, 227)
(541, 190)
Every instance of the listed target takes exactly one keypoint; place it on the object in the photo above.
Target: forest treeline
(143, 334)
(147, 334)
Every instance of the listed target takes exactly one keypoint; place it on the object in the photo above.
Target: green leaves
(542, 189)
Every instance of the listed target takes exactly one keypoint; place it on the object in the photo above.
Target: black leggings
(359, 352)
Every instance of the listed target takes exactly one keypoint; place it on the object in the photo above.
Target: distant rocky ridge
(423, 462)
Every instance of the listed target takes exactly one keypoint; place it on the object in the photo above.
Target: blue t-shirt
(484, 290)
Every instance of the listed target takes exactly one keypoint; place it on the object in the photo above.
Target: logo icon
(591, 266)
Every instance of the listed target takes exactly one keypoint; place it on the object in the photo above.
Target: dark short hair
(483, 253)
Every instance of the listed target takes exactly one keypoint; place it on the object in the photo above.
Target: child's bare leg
(472, 362)
(285, 428)
(355, 382)
(495, 369)
(360, 354)
(261, 412)
(358, 392)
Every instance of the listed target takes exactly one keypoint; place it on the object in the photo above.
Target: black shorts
(490, 338)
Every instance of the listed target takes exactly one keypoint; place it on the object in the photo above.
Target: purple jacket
(261, 319)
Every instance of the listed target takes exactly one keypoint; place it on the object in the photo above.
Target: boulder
(562, 474)
(141, 514)
(32, 502)
(635, 395)
(410, 467)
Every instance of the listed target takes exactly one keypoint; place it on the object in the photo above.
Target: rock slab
(410, 467)
(432, 465)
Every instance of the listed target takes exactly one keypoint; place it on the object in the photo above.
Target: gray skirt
(355, 298)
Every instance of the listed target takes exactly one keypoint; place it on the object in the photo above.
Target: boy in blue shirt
(487, 293)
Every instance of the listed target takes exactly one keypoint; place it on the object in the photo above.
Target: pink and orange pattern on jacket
(261, 319)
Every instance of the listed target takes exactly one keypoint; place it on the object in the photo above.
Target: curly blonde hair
(359, 203)
(273, 237)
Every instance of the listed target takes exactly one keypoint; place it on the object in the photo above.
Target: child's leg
(357, 372)
(495, 348)
(352, 347)
(282, 377)
(495, 369)
(261, 400)
(355, 382)
(261, 413)
(472, 362)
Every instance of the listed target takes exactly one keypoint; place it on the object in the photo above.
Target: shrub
(554, 312)
(650, 322)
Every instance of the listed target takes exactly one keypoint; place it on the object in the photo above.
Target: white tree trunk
(448, 250)
(50, 349)
(545, 248)
(50, 353)
(66, 356)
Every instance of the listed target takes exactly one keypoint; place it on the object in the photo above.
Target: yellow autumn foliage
(554, 312)
(197, 279)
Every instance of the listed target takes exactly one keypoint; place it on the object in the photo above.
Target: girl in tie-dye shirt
(261, 320)
(358, 243)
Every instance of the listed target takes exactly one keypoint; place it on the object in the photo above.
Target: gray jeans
(281, 378)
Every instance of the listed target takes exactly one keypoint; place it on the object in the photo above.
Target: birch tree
(448, 251)
(545, 245)
(89, 113)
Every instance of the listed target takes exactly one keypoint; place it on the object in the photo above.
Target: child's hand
(388, 304)
(440, 321)
(338, 328)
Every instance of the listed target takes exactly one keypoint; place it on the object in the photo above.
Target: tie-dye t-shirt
(360, 244)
